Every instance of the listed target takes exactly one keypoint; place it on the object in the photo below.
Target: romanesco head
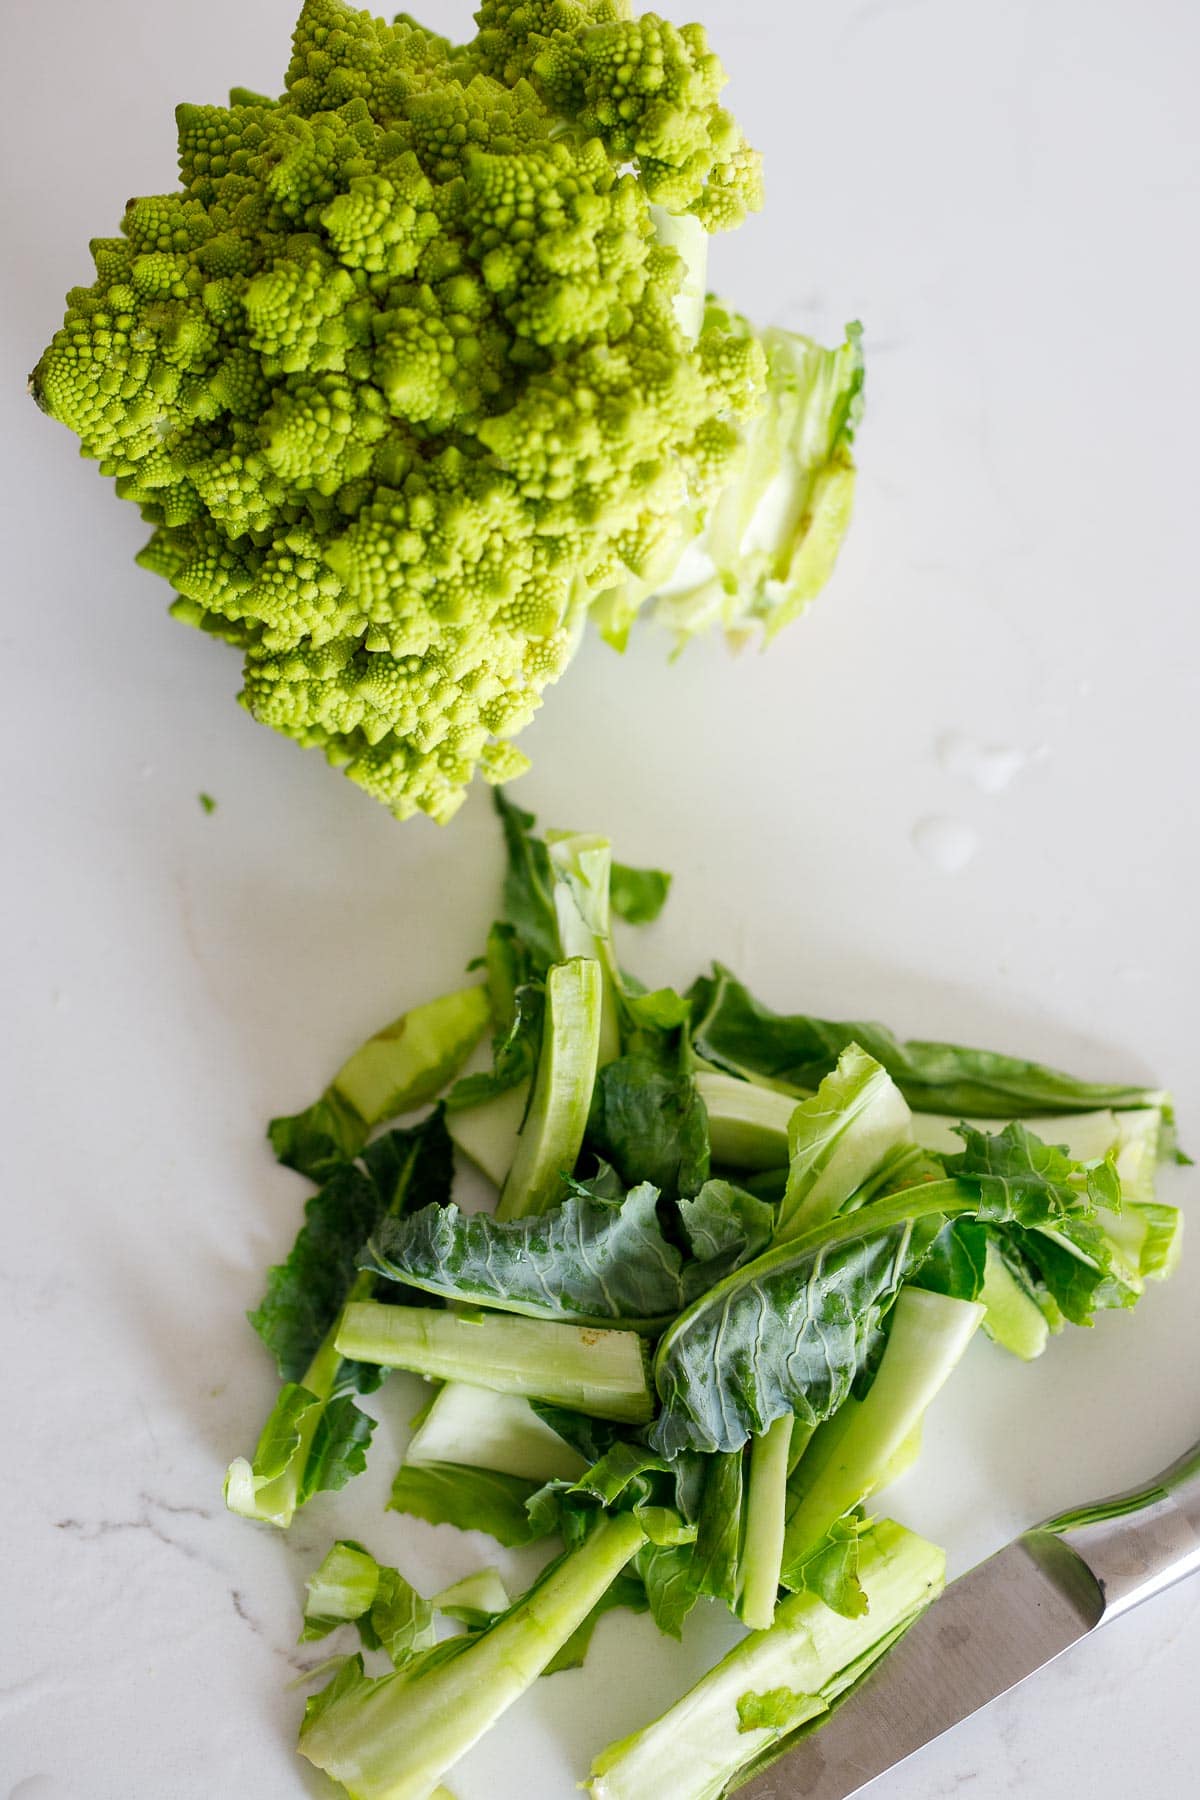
(397, 375)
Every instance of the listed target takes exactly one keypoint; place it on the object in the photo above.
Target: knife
(994, 1627)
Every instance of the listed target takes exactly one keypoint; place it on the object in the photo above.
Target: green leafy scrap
(792, 1331)
(830, 1569)
(716, 1553)
(587, 1260)
(403, 1169)
(779, 1709)
(638, 895)
(471, 1500)
(648, 1121)
(351, 1587)
(316, 1438)
(517, 1000)
(667, 1575)
(725, 1226)
(528, 884)
(319, 1141)
(737, 1032)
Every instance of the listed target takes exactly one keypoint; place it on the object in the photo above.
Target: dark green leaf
(734, 1030)
(956, 1261)
(413, 1167)
(666, 1573)
(556, 1508)
(689, 1469)
(590, 1437)
(518, 1004)
(621, 1474)
(471, 1499)
(649, 1122)
(339, 1447)
(588, 1261)
(1017, 1175)
(306, 1293)
(830, 1569)
(725, 1226)
(1078, 1288)
(319, 1140)
(717, 1550)
(638, 895)
(509, 968)
(528, 883)
(790, 1332)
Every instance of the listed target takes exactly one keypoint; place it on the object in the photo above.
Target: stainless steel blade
(991, 1629)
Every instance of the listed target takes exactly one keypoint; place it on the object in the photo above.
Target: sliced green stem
(928, 1335)
(274, 1501)
(774, 1681)
(410, 1061)
(602, 1373)
(747, 1124)
(488, 1430)
(582, 869)
(395, 1738)
(800, 1437)
(552, 1135)
(766, 1521)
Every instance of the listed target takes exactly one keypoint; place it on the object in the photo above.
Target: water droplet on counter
(947, 844)
(989, 767)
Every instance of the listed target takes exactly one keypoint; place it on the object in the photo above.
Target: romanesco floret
(399, 376)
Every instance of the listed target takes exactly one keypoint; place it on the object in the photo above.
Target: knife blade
(993, 1628)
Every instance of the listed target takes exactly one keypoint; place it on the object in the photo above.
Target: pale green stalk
(773, 1681)
(487, 1430)
(274, 1502)
(927, 1337)
(602, 1373)
(552, 1135)
(766, 1521)
(395, 1738)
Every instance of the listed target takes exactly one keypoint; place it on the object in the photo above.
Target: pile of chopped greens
(734, 1256)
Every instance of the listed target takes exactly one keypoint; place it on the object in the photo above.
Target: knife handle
(1139, 1542)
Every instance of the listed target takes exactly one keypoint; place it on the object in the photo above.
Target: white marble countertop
(1006, 195)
